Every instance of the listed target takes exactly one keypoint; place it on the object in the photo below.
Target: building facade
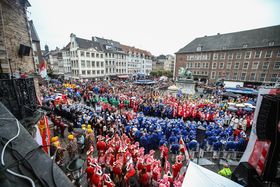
(36, 47)
(66, 69)
(115, 57)
(15, 39)
(87, 59)
(251, 56)
(138, 61)
(169, 63)
(55, 62)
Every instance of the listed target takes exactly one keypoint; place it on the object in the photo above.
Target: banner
(43, 134)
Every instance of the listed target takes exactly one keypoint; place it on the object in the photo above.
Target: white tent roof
(200, 176)
(173, 87)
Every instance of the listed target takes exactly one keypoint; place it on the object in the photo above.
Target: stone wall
(14, 32)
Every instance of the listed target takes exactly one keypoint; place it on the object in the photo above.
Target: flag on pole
(43, 69)
(183, 149)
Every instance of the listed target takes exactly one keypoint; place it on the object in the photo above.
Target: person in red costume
(144, 178)
(156, 174)
(180, 111)
(163, 154)
(130, 173)
(107, 181)
(176, 167)
(101, 145)
(96, 178)
(117, 170)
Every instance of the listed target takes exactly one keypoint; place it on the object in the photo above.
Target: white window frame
(215, 56)
(278, 54)
(213, 65)
(236, 76)
(253, 64)
(262, 77)
(238, 56)
(264, 64)
(223, 56)
(83, 61)
(230, 56)
(275, 77)
(245, 63)
(252, 79)
(213, 74)
(259, 55)
(229, 65)
(244, 76)
(275, 67)
(250, 53)
(235, 64)
(270, 54)
(222, 64)
(227, 75)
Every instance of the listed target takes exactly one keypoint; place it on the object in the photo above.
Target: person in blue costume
(229, 146)
(192, 145)
(172, 139)
(217, 146)
(174, 150)
(202, 147)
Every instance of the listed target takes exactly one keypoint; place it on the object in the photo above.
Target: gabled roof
(34, 35)
(108, 45)
(251, 39)
(67, 47)
(161, 57)
(86, 44)
(128, 49)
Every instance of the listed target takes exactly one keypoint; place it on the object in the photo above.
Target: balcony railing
(19, 96)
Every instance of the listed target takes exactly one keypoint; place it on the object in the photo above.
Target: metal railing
(19, 96)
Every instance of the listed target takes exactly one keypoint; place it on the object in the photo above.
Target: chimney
(218, 33)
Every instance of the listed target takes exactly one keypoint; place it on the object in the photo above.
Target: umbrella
(48, 99)
(233, 109)
(247, 109)
(55, 81)
(240, 105)
(78, 131)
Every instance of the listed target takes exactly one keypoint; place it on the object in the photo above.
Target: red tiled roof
(135, 50)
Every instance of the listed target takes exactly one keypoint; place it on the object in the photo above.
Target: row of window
(236, 65)
(230, 55)
(112, 63)
(243, 76)
(112, 70)
(93, 72)
(90, 54)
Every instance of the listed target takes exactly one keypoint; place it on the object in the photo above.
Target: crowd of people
(120, 126)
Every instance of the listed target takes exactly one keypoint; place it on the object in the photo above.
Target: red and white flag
(43, 69)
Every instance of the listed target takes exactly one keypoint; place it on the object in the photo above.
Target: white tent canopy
(199, 176)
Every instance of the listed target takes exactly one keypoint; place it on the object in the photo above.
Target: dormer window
(198, 48)
(245, 45)
(271, 43)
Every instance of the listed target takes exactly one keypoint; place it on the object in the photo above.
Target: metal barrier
(19, 96)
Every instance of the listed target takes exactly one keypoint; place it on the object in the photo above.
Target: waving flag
(43, 69)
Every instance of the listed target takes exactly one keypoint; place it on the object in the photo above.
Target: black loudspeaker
(273, 134)
(200, 133)
(246, 175)
(24, 50)
(266, 121)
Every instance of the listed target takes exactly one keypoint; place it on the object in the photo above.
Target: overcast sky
(159, 26)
